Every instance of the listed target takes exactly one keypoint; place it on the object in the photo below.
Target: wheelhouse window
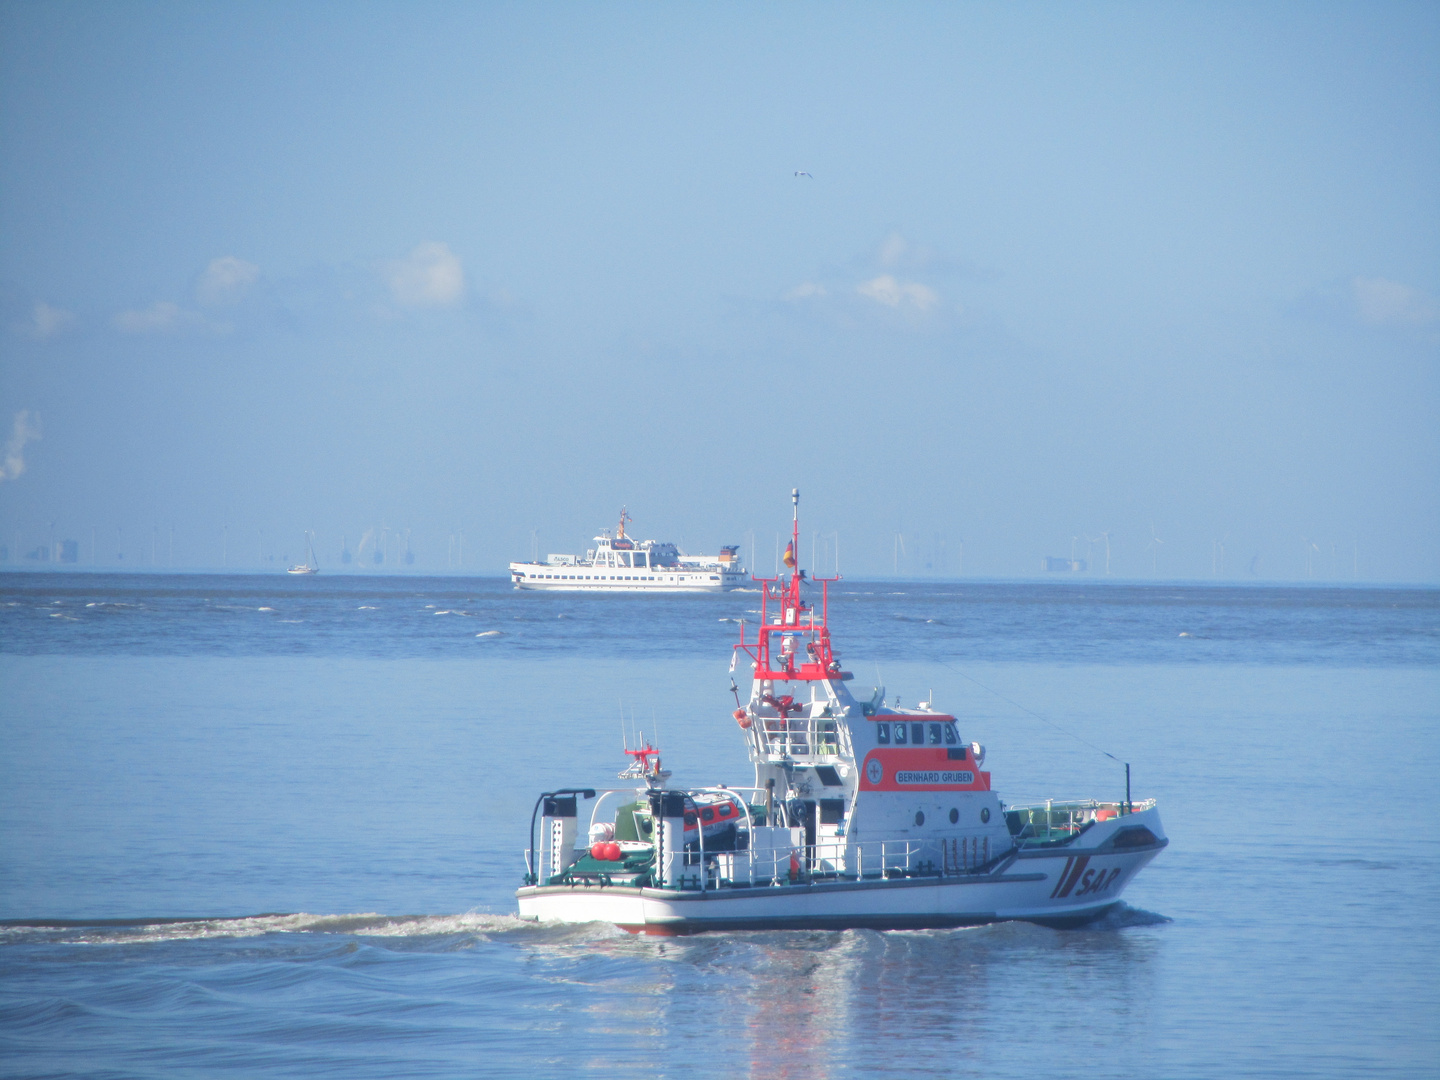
(900, 733)
(917, 734)
(882, 733)
(935, 735)
(951, 737)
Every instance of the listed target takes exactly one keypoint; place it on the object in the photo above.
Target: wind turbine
(1106, 535)
(1155, 543)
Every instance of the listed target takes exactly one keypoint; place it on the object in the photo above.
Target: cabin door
(807, 812)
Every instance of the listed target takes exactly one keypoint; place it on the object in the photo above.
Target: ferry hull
(1031, 888)
(726, 584)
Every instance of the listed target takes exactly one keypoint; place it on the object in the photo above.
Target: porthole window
(985, 814)
(954, 815)
(919, 817)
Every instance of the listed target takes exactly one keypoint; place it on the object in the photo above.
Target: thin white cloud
(431, 276)
(886, 290)
(806, 290)
(47, 321)
(161, 317)
(26, 429)
(1380, 302)
(893, 249)
(225, 281)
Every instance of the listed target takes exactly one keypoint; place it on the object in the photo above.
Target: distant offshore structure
(623, 564)
(1057, 564)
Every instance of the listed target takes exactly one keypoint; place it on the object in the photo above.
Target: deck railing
(1055, 819)
(806, 863)
(800, 736)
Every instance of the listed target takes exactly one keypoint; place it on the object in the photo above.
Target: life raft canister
(742, 718)
(794, 866)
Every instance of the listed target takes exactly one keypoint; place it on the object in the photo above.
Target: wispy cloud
(886, 290)
(226, 281)
(897, 253)
(806, 290)
(26, 429)
(161, 317)
(896, 264)
(47, 321)
(1380, 302)
(431, 276)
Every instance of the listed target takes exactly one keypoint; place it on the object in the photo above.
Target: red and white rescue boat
(859, 816)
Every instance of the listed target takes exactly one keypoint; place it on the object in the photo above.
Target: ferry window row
(630, 559)
(594, 577)
(916, 733)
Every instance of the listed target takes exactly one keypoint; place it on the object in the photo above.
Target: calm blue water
(266, 826)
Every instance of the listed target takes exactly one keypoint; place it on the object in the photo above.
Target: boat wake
(368, 924)
(1122, 916)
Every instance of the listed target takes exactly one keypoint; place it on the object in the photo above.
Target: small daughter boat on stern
(860, 816)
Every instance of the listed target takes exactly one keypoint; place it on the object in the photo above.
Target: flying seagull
(800, 174)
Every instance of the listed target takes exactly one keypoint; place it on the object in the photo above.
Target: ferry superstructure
(860, 815)
(624, 564)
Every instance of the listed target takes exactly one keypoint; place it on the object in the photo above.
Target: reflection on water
(786, 1005)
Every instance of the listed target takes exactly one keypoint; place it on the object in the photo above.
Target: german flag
(789, 559)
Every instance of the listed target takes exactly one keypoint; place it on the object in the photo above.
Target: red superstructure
(803, 653)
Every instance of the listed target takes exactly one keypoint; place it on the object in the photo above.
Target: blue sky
(1157, 271)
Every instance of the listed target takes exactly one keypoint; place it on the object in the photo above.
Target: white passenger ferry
(623, 564)
(859, 816)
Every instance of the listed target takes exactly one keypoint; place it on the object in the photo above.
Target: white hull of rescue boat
(1059, 886)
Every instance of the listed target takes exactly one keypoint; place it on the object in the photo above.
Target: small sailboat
(309, 566)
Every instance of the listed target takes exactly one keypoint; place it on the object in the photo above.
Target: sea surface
(272, 826)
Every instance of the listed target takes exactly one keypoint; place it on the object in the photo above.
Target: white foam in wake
(369, 924)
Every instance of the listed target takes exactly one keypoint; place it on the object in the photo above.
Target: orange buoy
(1104, 815)
(597, 851)
(613, 852)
